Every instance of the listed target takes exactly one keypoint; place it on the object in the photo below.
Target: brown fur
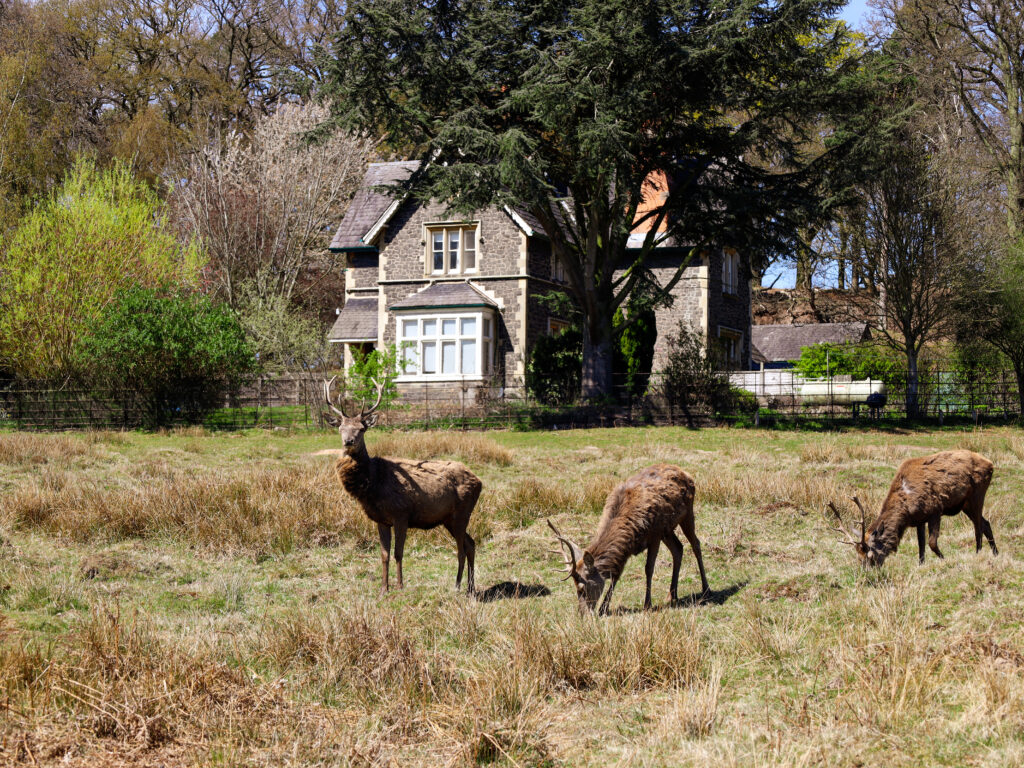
(923, 491)
(400, 494)
(638, 516)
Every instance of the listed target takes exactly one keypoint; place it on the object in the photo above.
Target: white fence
(789, 386)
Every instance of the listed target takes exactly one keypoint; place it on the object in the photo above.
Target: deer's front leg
(920, 543)
(385, 554)
(400, 528)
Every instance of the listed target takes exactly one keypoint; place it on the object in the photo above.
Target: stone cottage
(458, 295)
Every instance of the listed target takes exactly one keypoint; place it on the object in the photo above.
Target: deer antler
(570, 551)
(327, 398)
(380, 396)
(863, 517)
(841, 528)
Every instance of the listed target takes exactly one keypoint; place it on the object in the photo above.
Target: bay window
(446, 345)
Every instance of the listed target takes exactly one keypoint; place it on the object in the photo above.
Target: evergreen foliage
(582, 111)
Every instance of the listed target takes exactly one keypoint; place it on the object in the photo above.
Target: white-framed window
(557, 269)
(453, 249)
(447, 345)
(730, 272)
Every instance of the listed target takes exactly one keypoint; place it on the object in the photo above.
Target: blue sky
(855, 14)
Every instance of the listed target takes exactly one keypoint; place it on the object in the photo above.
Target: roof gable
(370, 208)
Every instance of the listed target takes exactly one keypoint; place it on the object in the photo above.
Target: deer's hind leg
(465, 549)
(675, 546)
(691, 536)
(933, 534)
(973, 508)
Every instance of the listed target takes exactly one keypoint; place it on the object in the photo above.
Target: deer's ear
(370, 420)
(588, 559)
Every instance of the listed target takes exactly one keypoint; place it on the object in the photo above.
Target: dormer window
(452, 249)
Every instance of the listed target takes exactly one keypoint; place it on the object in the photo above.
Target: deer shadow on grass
(511, 590)
(711, 597)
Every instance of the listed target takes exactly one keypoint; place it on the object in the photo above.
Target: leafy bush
(175, 356)
(861, 361)
(691, 377)
(635, 352)
(554, 370)
(100, 232)
(382, 365)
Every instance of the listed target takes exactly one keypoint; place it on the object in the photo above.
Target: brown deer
(923, 491)
(400, 494)
(639, 515)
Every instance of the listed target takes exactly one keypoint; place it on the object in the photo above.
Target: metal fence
(295, 402)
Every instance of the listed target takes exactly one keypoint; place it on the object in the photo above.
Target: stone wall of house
(731, 311)
(502, 255)
(689, 302)
(362, 272)
(404, 247)
(699, 301)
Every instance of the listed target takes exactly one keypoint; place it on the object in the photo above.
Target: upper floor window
(452, 249)
(557, 269)
(730, 272)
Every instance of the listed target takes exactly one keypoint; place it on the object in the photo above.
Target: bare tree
(265, 206)
(975, 52)
(917, 262)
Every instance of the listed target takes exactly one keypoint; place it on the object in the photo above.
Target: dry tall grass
(256, 508)
(166, 600)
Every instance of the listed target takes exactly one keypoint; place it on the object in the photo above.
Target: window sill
(440, 378)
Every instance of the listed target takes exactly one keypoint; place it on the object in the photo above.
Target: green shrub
(554, 370)
(380, 365)
(635, 352)
(174, 356)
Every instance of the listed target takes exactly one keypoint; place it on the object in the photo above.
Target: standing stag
(924, 490)
(403, 494)
(639, 515)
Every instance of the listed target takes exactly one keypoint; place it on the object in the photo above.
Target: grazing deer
(639, 515)
(923, 491)
(400, 494)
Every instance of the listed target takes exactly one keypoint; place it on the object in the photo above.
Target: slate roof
(777, 343)
(368, 205)
(445, 295)
(357, 321)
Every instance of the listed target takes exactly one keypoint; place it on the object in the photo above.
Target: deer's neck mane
(612, 545)
(356, 473)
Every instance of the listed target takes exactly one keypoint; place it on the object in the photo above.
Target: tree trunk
(597, 358)
(913, 385)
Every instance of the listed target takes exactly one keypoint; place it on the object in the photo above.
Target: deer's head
(869, 549)
(580, 567)
(352, 428)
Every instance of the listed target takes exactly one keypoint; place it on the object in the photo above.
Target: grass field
(194, 599)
